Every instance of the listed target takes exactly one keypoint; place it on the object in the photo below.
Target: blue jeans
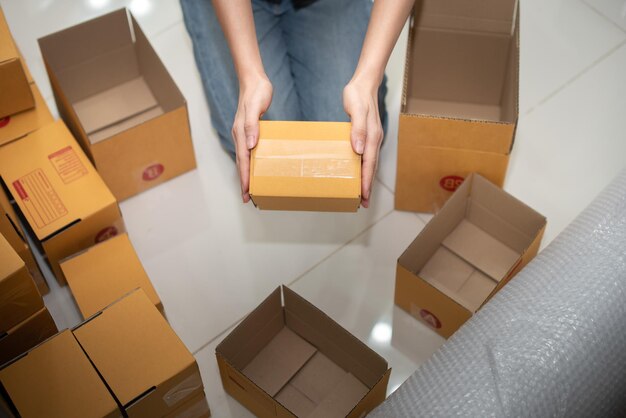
(309, 55)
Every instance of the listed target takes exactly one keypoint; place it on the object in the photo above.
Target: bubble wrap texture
(552, 343)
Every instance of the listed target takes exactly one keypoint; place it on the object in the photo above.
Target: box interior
(462, 60)
(114, 82)
(301, 358)
(476, 239)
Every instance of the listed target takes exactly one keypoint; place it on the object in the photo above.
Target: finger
(370, 156)
(253, 112)
(243, 157)
(358, 132)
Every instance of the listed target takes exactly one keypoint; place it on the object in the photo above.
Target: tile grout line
(203, 346)
(167, 28)
(576, 77)
(602, 15)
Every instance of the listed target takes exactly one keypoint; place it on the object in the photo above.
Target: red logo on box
(153, 172)
(105, 234)
(5, 121)
(430, 319)
(451, 183)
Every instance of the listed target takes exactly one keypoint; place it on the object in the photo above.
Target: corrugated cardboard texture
(305, 166)
(56, 380)
(137, 144)
(15, 94)
(25, 122)
(466, 253)
(26, 335)
(19, 297)
(106, 272)
(139, 356)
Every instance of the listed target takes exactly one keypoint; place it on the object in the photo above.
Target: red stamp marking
(451, 183)
(153, 172)
(105, 234)
(430, 319)
(5, 121)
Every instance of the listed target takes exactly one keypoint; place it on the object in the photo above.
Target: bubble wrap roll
(552, 343)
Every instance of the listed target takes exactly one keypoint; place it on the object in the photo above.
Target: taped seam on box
(183, 389)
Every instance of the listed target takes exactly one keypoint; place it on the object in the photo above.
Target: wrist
(251, 77)
(368, 78)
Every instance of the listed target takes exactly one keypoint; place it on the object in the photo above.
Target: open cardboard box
(305, 166)
(148, 369)
(460, 99)
(62, 198)
(102, 274)
(27, 334)
(120, 102)
(19, 297)
(15, 79)
(290, 359)
(56, 380)
(469, 250)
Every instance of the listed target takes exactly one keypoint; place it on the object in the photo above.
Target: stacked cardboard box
(104, 273)
(460, 100)
(24, 320)
(470, 249)
(119, 101)
(287, 360)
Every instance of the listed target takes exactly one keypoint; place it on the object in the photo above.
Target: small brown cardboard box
(61, 196)
(56, 380)
(19, 297)
(469, 250)
(460, 99)
(104, 273)
(17, 125)
(15, 93)
(26, 335)
(286, 360)
(139, 356)
(118, 99)
(197, 407)
(305, 166)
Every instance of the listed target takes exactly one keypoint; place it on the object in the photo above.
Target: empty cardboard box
(118, 99)
(147, 367)
(62, 198)
(308, 166)
(104, 273)
(460, 100)
(19, 297)
(15, 92)
(469, 250)
(56, 380)
(17, 125)
(27, 334)
(290, 359)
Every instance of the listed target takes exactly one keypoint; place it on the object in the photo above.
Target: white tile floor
(212, 259)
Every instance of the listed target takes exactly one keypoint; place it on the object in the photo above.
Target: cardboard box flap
(20, 124)
(342, 399)
(59, 376)
(49, 176)
(318, 378)
(130, 338)
(475, 290)
(279, 361)
(105, 272)
(263, 323)
(332, 340)
(471, 15)
(295, 401)
(446, 271)
(10, 262)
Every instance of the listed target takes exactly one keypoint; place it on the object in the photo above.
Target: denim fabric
(309, 55)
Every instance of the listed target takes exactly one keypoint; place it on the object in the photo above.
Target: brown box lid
(22, 123)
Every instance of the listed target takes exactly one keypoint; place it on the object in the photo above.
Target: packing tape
(185, 388)
(196, 410)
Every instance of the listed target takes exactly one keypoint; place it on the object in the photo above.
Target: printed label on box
(425, 315)
(153, 172)
(67, 164)
(5, 121)
(105, 234)
(451, 183)
(39, 198)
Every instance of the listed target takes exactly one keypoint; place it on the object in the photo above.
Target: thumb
(358, 133)
(251, 125)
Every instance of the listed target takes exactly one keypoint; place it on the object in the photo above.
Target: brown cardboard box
(469, 250)
(197, 407)
(104, 273)
(118, 99)
(140, 357)
(15, 93)
(460, 99)
(290, 359)
(61, 196)
(19, 297)
(56, 380)
(305, 166)
(17, 125)
(26, 335)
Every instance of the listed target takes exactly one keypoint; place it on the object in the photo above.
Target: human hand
(255, 96)
(360, 101)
